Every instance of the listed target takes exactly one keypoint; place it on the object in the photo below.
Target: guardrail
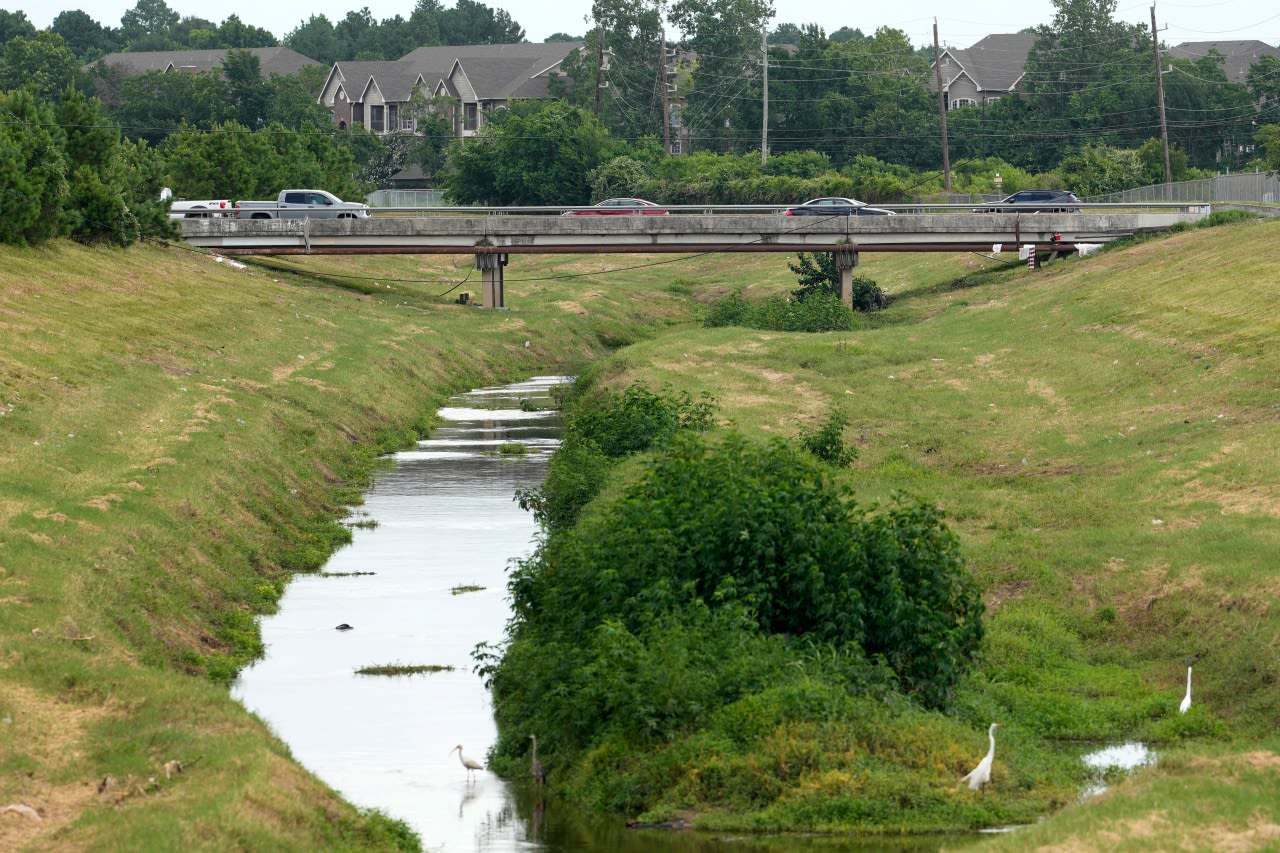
(770, 209)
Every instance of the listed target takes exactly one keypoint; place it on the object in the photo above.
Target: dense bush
(819, 313)
(601, 427)
(720, 571)
(818, 275)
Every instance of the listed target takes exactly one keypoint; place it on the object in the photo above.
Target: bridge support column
(846, 260)
(490, 267)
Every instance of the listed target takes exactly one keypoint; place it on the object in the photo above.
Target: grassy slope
(175, 435)
(1103, 435)
(197, 410)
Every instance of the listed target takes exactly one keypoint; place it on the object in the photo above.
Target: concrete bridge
(493, 235)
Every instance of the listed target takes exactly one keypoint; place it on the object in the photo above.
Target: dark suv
(1034, 201)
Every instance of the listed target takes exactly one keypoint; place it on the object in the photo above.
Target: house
(986, 72)
(272, 60)
(1237, 56)
(477, 78)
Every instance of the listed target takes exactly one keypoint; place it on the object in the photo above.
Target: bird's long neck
(535, 748)
(991, 736)
(1188, 681)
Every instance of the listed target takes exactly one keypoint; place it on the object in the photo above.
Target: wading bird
(981, 774)
(1186, 700)
(467, 761)
(536, 770)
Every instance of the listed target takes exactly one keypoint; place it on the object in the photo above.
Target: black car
(1034, 201)
(837, 207)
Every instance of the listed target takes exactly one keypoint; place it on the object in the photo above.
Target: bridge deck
(676, 233)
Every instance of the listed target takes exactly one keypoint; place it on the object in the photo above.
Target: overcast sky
(959, 25)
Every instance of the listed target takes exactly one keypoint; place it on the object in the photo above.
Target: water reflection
(445, 517)
(1111, 761)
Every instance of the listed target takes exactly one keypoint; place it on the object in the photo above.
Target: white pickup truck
(209, 208)
(301, 204)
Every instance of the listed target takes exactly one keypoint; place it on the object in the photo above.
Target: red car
(619, 207)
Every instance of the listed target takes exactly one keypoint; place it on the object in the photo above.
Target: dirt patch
(103, 502)
(1153, 585)
(54, 730)
(1007, 591)
(568, 307)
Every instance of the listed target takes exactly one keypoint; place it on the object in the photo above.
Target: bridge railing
(758, 209)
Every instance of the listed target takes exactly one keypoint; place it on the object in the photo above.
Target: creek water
(422, 582)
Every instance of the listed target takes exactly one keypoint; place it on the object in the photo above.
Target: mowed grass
(1103, 435)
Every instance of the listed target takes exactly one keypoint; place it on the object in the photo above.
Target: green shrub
(826, 441)
(759, 532)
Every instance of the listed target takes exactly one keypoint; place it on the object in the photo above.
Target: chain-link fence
(1245, 187)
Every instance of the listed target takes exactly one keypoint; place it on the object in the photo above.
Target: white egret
(536, 770)
(467, 761)
(981, 774)
(1186, 700)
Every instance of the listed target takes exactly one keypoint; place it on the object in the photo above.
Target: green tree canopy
(533, 152)
(725, 35)
(42, 63)
(33, 169)
(147, 26)
(85, 37)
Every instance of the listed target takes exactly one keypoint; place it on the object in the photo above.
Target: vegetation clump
(728, 574)
(403, 669)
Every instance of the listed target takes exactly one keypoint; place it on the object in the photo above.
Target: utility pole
(764, 119)
(599, 62)
(942, 109)
(666, 93)
(1164, 125)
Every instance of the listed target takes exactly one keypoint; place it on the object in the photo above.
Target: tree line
(152, 25)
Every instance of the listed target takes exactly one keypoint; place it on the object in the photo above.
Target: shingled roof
(395, 80)
(273, 60)
(1237, 56)
(994, 64)
(497, 72)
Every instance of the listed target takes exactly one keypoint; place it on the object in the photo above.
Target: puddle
(1116, 760)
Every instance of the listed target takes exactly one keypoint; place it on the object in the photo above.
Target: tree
(236, 33)
(533, 152)
(230, 161)
(42, 63)
(99, 206)
(424, 24)
(15, 24)
(246, 90)
(85, 37)
(1210, 118)
(1089, 77)
(1102, 169)
(469, 22)
(819, 276)
(631, 100)
(725, 35)
(33, 170)
(153, 105)
(1264, 87)
(148, 24)
(1268, 139)
(428, 146)
(317, 39)
(292, 99)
